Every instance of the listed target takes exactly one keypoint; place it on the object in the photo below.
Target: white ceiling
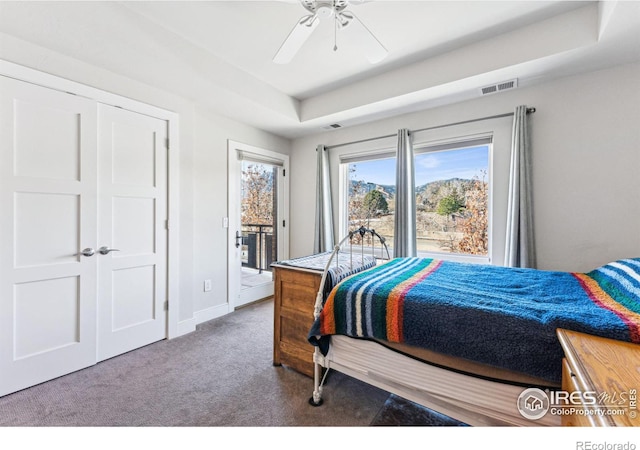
(219, 53)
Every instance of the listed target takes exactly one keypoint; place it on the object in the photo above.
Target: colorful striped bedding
(505, 317)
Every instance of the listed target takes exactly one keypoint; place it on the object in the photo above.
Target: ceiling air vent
(499, 87)
(332, 126)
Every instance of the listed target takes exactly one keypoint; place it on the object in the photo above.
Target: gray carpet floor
(221, 375)
(398, 411)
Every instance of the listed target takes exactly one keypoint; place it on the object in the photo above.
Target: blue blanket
(504, 317)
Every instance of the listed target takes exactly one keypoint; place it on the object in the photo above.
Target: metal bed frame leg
(316, 398)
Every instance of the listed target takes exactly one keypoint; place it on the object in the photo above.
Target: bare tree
(475, 225)
(257, 194)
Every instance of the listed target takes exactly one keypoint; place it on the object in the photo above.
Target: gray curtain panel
(520, 245)
(404, 239)
(323, 236)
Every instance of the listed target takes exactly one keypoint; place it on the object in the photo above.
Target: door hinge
(284, 223)
(166, 143)
(284, 172)
(166, 305)
(166, 224)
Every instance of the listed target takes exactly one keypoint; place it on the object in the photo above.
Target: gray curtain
(520, 245)
(323, 236)
(404, 239)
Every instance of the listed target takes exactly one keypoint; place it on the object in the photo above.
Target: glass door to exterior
(258, 216)
(258, 220)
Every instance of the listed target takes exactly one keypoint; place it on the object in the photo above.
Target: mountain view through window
(452, 199)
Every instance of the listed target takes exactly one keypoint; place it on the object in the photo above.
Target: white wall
(210, 203)
(203, 172)
(586, 165)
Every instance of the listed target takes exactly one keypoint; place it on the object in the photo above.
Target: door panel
(60, 213)
(133, 301)
(56, 319)
(54, 154)
(47, 216)
(132, 219)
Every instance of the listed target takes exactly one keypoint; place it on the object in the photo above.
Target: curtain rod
(329, 147)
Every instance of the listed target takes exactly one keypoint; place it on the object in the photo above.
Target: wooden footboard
(294, 297)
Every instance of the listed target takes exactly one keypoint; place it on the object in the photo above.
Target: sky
(443, 165)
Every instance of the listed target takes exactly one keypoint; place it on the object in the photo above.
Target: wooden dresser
(609, 370)
(295, 292)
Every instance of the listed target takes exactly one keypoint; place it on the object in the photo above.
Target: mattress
(467, 367)
(474, 400)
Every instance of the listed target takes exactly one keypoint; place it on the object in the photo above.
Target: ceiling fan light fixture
(325, 11)
(373, 50)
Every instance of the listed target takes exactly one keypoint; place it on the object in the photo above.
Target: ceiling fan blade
(296, 39)
(371, 46)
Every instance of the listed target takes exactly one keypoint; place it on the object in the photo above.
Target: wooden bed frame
(476, 400)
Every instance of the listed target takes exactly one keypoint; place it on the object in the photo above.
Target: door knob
(88, 252)
(105, 250)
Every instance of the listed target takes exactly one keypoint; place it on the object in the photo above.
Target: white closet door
(132, 211)
(47, 217)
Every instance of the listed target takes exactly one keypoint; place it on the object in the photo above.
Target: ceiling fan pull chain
(321, 10)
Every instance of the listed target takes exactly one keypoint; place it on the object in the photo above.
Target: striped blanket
(505, 317)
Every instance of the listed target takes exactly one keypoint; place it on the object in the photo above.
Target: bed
(466, 339)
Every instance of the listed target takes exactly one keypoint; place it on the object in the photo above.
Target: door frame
(43, 79)
(234, 150)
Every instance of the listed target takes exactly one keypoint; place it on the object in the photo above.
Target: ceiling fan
(343, 19)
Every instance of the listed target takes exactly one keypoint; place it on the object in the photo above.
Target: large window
(371, 196)
(452, 197)
(452, 201)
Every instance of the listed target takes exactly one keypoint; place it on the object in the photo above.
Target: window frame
(454, 142)
(462, 143)
(343, 186)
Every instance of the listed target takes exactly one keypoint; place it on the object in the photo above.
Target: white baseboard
(189, 325)
(186, 327)
(213, 312)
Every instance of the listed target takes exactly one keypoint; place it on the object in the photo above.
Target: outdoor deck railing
(258, 246)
